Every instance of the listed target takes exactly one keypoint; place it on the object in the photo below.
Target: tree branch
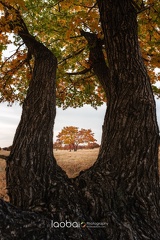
(141, 8)
(97, 59)
(8, 58)
(29, 40)
(71, 55)
(94, 5)
(145, 8)
(4, 157)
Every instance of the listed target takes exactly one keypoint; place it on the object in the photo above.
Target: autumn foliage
(58, 25)
(95, 45)
(71, 138)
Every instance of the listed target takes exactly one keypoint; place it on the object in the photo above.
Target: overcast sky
(85, 117)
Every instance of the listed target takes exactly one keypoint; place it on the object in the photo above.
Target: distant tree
(73, 137)
(86, 136)
(93, 145)
(122, 187)
(57, 145)
(68, 136)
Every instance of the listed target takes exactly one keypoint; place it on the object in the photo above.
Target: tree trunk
(124, 179)
(122, 188)
(34, 180)
(131, 130)
(31, 157)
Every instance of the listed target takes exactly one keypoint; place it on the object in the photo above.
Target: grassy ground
(74, 162)
(3, 176)
(71, 162)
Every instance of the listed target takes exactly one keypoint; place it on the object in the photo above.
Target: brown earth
(72, 162)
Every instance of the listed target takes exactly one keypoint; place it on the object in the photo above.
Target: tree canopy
(59, 25)
(73, 137)
(122, 187)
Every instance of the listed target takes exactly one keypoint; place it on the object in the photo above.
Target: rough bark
(34, 180)
(122, 188)
(31, 157)
(18, 224)
(97, 60)
(124, 179)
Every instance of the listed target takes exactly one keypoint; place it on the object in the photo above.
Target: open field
(71, 162)
(74, 162)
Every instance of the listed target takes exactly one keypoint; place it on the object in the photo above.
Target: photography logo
(93, 224)
(68, 224)
(83, 224)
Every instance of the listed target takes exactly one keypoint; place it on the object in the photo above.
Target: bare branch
(92, 7)
(71, 55)
(141, 8)
(136, 5)
(145, 8)
(8, 58)
(3, 157)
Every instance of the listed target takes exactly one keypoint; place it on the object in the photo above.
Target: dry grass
(3, 176)
(71, 162)
(74, 162)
